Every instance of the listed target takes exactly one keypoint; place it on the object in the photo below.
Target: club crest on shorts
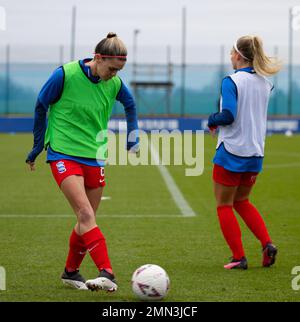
(61, 168)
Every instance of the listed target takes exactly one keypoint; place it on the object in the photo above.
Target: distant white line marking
(286, 165)
(105, 198)
(285, 154)
(46, 216)
(177, 196)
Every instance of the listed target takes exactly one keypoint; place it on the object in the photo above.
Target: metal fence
(23, 71)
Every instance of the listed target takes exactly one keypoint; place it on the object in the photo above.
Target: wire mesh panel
(156, 86)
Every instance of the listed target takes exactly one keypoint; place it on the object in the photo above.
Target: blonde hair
(251, 49)
(111, 46)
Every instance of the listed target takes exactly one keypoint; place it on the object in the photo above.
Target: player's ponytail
(111, 47)
(251, 49)
(263, 64)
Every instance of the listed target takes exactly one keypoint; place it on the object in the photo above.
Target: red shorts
(93, 176)
(229, 178)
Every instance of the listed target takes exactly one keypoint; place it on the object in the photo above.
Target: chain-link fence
(24, 70)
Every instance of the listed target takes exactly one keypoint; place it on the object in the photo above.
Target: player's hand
(31, 165)
(213, 130)
(32, 155)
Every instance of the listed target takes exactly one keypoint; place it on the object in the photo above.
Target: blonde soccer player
(80, 96)
(242, 123)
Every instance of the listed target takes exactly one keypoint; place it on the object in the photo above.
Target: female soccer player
(239, 156)
(81, 95)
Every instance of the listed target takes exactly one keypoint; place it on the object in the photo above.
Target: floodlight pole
(134, 65)
(294, 24)
(275, 111)
(7, 79)
(290, 65)
(169, 64)
(134, 62)
(73, 31)
(183, 62)
(222, 63)
(61, 55)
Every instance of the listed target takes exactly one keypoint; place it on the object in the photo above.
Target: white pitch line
(283, 165)
(176, 194)
(105, 198)
(46, 216)
(285, 154)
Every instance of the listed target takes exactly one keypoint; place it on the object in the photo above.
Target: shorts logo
(253, 178)
(102, 175)
(101, 171)
(61, 167)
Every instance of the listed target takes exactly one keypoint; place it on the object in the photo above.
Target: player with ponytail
(252, 49)
(80, 96)
(242, 123)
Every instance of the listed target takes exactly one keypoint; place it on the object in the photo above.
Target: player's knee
(224, 201)
(85, 214)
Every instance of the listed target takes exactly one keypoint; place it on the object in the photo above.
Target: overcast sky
(210, 23)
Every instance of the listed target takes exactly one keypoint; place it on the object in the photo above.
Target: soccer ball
(150, 282)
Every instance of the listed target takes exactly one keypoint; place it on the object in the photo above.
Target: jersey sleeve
(124, 96)
(49, 94)
(229, 96)
(52, 89)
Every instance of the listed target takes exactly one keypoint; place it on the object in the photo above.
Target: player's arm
(124, 96)
(229, 105)
(49, 94)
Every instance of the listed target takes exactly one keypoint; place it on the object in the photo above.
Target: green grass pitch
(33, 248)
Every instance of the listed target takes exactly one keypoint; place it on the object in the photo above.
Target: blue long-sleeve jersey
(229, 105)
(51, 93)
